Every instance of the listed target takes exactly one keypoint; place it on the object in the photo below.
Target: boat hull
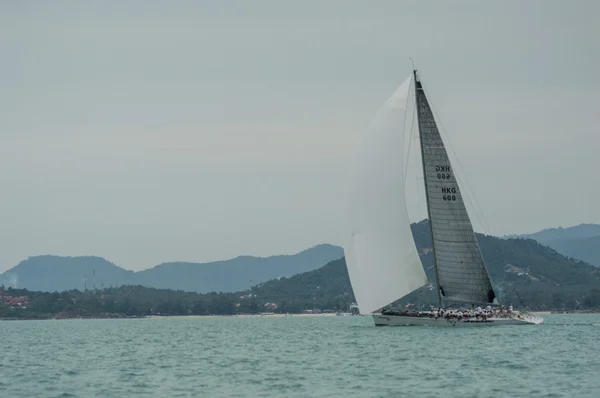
(401, 320)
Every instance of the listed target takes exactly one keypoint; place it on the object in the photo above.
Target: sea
(297, 356)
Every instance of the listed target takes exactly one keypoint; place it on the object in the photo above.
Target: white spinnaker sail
(381, 256)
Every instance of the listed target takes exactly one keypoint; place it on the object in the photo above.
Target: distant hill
(523, 272)
(236, 274)
(586, 249)
(576, 232)
(581, 241)
(54, 273)
(328, 287)
(519, 267)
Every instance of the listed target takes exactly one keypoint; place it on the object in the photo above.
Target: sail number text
(443, 172)
(449, 194)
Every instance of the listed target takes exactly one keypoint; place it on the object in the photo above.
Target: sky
(153, 131)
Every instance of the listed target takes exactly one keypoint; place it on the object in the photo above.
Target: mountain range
(56, 273)
(580, 241)
(523, 272)
(518, 266)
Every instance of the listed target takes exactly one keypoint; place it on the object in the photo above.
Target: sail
(461, 272)
(382, 260)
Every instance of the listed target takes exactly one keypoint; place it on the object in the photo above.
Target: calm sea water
(297, 357)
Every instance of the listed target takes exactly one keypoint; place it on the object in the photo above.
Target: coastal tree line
(132, 301)
(523, 272)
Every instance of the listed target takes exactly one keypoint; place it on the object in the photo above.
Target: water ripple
(296, 357)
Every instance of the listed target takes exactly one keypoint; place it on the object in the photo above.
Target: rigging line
(410, 139)
(471, 197)
(412, 124)
(404, 134)
(469, 191)
(478, 212)
(520, 299)
(419, 196)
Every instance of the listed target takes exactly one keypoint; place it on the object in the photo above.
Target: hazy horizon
(147, 132)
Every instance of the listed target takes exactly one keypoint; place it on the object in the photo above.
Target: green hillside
(523, 272)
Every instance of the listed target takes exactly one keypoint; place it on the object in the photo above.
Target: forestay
(460, 267)
(383, 263)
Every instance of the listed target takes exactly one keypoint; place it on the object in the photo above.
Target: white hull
(400, 320)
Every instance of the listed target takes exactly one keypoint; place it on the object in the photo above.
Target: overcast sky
(146, 131)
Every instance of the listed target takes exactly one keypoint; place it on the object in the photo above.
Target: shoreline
(576, 312)
(265, 315)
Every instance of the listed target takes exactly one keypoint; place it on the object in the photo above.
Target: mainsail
(382, 260)
(461, 272)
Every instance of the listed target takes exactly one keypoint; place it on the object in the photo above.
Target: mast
(418, 86)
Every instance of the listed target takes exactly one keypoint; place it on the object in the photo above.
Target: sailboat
(381, 255)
